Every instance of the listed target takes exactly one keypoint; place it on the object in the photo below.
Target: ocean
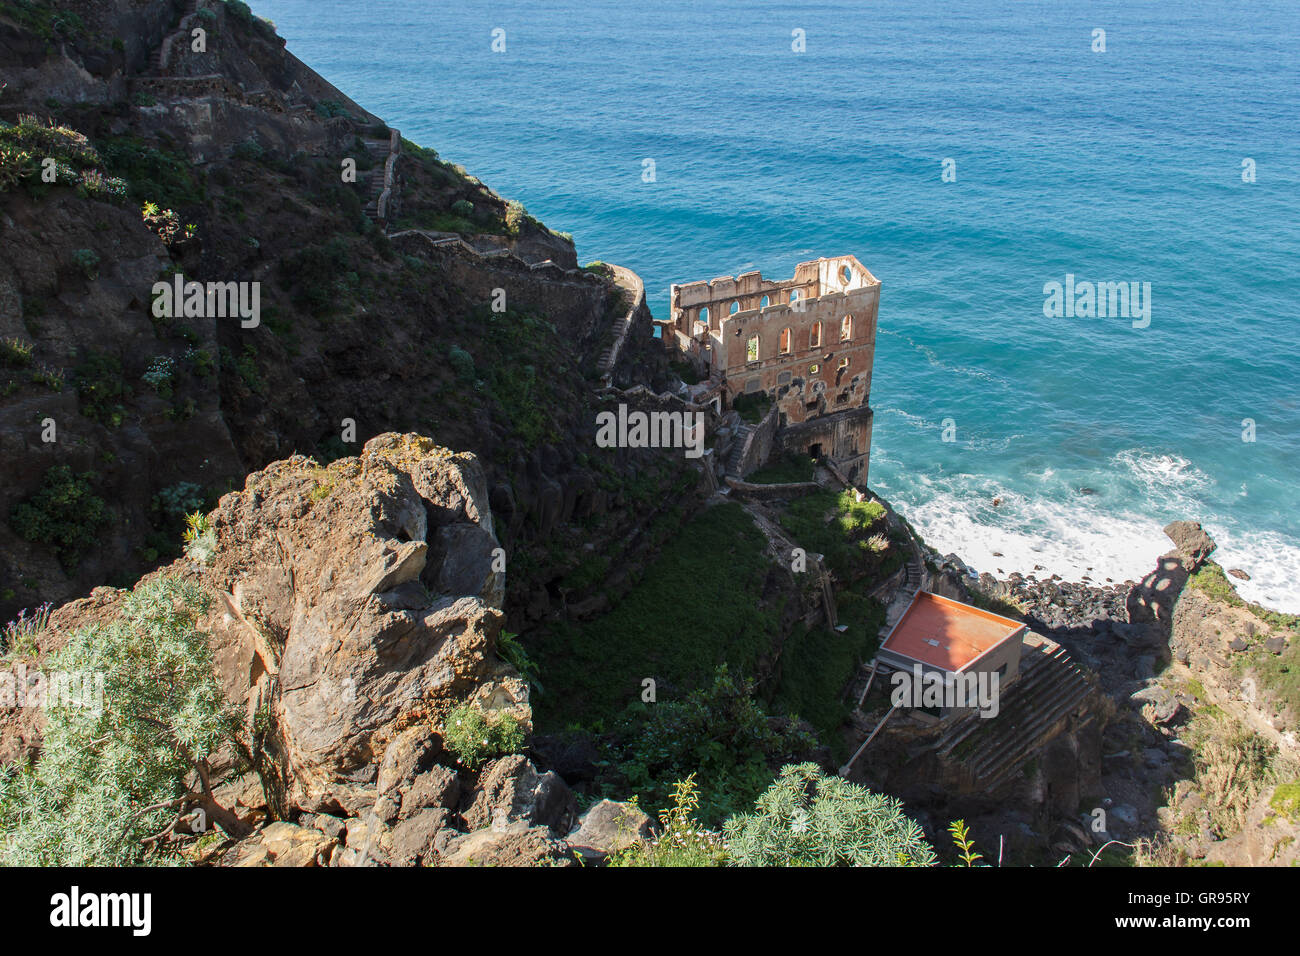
(1171, 157)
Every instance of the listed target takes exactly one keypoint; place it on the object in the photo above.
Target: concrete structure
(808, 343)
(944, 636)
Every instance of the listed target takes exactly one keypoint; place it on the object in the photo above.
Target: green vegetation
(314, 274)
(717, 732)
(126, 763)
(151, 174)
(101, 389)
(808, 819)
(752, 407)
(475, 737)
(87, 260)
(509, 343)
(26, 147)
(842, 528)
(15, 353)
(44, 19)
(1286, 800)
(714, 569)
(200, 538)
(63, 513)
(681, 841)
(960, 834)
(1278, 673)
(1211, 579)
(817, 663)
(19, 637)
(787, 469)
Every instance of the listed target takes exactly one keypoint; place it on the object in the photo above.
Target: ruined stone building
(808, 343)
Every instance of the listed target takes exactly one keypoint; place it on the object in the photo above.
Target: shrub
(87, 260)
(808, 819)
(330, 108)
(200, 538)
(240, 11)
(179, 500)
(18, 638)
(160, 375)
(249, 149)
(462, 363)
(683, 841)
(462, 208)
(516, 217)
(718, 733)
(475, 737)
(15, 353)
(116, 779)
(63, 513)
(100, 389)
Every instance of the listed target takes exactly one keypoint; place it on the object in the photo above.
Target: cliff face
(358, 333)
(354, 609)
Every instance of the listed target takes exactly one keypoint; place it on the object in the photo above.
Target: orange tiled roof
(945, 633)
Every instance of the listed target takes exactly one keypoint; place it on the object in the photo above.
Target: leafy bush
(200, 538)
(462, 208)
(87, 260)
(15, 353)
(683, 841)
(330, 108)
(160, 375)
(164, 178)
(462, 363)
(808, 819)
(718, 733)
(240, 11)
(24, 148)
(101, 387)
(63, 513)
(249, 149)
(516, 217)
(115, 781)
(18, 638)
(180, 499)
(475, 737)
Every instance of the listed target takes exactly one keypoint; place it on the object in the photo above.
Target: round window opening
(846, 274)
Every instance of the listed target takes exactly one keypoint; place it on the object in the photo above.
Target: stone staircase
(1050, 690)
(382, 177)
(632, 286)
(737, 457)
(158, 59)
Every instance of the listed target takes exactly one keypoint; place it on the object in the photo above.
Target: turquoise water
(1123, 165)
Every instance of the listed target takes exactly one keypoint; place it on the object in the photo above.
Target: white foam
(1074, 541)
(1079, 538)
(1272, 561)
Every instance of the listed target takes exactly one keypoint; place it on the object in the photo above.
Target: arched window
(846, 328)
(794, 295)
(785, 340)
(764, 302)
(735, 307)
(815, 336)
(846, 274)
(751, 349)
(704, 315)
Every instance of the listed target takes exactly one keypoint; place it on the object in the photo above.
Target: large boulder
(1191, 542)
(608, 827)
(511, 790)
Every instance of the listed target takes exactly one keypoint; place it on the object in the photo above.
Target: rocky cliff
(459, 316)
(356, 610)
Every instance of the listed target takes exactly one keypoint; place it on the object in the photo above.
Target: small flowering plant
(475, 737)
(682, 841)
